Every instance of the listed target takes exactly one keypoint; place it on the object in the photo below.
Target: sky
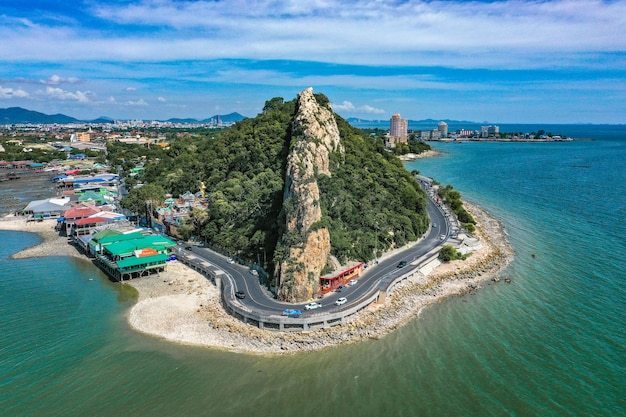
(509, 61)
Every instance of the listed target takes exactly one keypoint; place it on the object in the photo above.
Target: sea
(552, 342)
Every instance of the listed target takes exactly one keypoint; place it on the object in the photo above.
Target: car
(434, 224)
(340, 288)
(341, 301)
(254, 272)
(442, 237)
(288, 311)
(401, 264)
(312, 306)
(295, 313)
(187, 247)
(352, 282)
(240, 294)
(230, 260)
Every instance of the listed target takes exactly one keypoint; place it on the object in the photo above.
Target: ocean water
(551, 343)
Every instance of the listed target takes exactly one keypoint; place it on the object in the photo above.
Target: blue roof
(87, 180)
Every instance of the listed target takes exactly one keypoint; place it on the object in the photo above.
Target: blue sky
(511, 61)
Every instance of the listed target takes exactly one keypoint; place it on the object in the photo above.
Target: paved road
(259, 299)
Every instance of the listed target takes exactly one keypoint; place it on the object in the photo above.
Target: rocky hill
(295, 189)
(315, 136)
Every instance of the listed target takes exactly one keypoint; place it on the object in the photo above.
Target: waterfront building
(466, 133)
(443, 129)
(398, 130)
(130, 255)
(489, 131)
(434, 134)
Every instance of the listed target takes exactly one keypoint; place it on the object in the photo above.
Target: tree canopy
(370, 202)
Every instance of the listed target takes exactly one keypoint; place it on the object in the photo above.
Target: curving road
(374, 277)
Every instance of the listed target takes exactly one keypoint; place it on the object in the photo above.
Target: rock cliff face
(314, 136)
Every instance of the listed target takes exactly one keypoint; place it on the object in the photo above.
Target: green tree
(144, 199)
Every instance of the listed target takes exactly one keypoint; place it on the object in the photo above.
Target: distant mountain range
(18, 115)
(424, 124)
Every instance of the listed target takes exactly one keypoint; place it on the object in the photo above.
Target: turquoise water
(551, 343)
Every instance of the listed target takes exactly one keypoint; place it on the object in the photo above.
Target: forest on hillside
(369, 203)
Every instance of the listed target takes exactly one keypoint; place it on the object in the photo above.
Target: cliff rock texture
(315, 136)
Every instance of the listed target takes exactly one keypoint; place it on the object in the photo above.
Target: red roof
(80, 211)
(91, 220)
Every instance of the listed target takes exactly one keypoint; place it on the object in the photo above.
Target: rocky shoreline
(181, 305)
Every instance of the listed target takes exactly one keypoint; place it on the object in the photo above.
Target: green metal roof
(124, 247)
(120, 238)
(104, 233)
(132, 261)
(158, 240)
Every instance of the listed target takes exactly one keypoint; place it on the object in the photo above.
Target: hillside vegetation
(370, 202)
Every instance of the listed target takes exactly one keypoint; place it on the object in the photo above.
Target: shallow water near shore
(551, 343)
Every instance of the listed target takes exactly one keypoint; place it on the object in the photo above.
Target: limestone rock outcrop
(315, 136)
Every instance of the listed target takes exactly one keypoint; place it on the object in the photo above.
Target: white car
(230, 260)
(312, 306)
(352, 282)
(442, 237)
(254, 272)
(341, 301)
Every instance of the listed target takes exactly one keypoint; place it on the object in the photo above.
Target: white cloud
(344, 106)
(60, 94)
(11, 93)
(507, 33)
(161, 99)
(130, 89)
(56, 80)
(140, 102)
(347, 106)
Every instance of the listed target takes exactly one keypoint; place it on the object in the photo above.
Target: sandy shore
(182, 306)
(51, 245)
(415, 156)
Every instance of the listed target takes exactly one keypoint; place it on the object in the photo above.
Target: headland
(181, 305)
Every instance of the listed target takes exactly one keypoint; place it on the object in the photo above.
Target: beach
(415, 156)
(52, 244)
(181, 305)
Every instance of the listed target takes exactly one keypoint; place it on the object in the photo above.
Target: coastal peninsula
(181, 305)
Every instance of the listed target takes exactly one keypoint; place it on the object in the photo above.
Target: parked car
(442, 237)
(341, 301)
(352, 282)
(240, 294)
(340, 288)
(254, 272)
(401, 264)
(312, 306)
(230, 260)
(187, 247)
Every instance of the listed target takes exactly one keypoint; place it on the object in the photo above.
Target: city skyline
(511, 61)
